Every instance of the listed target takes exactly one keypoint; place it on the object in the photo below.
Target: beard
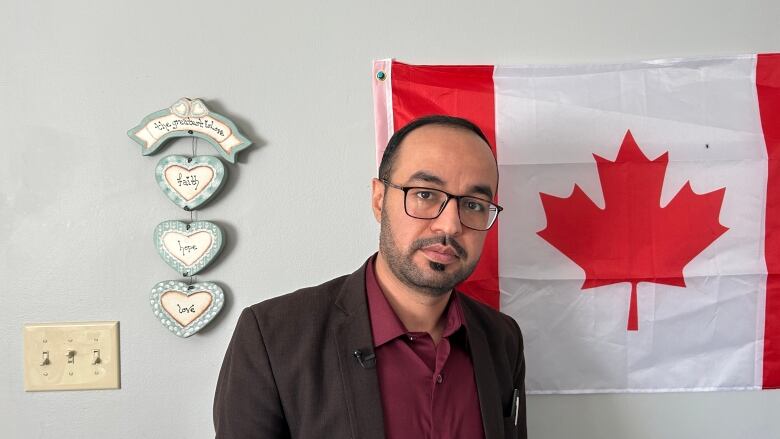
(432, 281)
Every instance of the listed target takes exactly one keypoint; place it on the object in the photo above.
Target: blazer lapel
(485, 376)
(352, 331)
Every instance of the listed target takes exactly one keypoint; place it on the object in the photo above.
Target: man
(390, 351)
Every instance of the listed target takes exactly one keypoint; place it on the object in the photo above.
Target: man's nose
(448, 222)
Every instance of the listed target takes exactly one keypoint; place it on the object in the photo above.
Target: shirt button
(439, 379)
(411, 338)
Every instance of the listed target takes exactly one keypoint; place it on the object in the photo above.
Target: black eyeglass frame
(450, 196)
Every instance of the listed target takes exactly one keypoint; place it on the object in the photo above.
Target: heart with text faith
(188, 248)
(190, 181)
(186, 309)
(633, 239)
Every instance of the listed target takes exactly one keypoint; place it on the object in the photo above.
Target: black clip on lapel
(367, 360)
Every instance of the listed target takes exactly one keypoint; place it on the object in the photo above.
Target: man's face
(433, 255)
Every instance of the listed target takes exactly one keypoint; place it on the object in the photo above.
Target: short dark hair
(388, 158)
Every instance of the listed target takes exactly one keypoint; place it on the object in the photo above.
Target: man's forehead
(436, 151)
(430, 178)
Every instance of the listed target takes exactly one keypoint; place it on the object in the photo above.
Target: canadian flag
(639, 248)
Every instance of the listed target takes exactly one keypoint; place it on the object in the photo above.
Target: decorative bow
(186, 107)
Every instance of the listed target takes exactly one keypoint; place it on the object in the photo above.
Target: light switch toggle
(95, 356)
(71, 354)
(45, 358)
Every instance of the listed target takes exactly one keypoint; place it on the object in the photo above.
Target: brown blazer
(290, 372)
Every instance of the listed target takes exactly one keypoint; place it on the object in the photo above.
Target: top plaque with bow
(189, 117)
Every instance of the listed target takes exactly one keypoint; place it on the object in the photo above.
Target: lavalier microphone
(366, 359)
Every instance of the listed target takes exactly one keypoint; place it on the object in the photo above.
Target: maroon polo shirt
(427, 391)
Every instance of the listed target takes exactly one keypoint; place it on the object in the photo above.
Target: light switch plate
(71, 356)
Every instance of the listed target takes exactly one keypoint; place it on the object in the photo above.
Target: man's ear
(377, 198)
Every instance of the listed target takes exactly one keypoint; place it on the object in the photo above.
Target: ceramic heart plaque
(191, 118)
(186, 309)
(188, 248)
(190, 181)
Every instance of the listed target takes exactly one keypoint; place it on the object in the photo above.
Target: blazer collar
(351, 298)
(352, 332)
(484, 373)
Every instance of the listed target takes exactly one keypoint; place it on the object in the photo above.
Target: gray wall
(78, 202)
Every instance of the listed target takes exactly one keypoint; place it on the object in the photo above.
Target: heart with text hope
(633, 239)
(188, 248)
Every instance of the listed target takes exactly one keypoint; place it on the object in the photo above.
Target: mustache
(443, 240)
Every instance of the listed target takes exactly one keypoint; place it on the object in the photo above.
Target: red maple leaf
(633, 239)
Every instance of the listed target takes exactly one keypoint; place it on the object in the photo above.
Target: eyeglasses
(427, 203)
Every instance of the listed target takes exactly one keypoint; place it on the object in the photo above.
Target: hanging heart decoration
(190, 181)
(188, 248)
(186, 309)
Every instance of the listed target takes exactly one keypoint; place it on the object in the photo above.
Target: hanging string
(194, 145)
(193, 216)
